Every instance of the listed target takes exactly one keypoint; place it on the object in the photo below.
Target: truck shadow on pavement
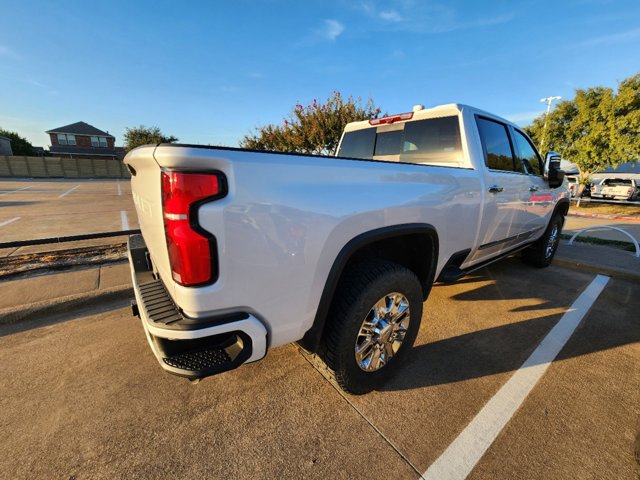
(611, 323)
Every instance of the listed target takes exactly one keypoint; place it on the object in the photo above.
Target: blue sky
(209, 72)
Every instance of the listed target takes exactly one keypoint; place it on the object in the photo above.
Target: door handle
(533, 188)
(495, 189)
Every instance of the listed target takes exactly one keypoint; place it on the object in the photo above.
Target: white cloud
(425, 17)
(36, 83)
(523, 117)
(390, 16)
(332, 29)
(612, 39)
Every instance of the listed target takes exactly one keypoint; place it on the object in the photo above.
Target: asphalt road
(83, 396)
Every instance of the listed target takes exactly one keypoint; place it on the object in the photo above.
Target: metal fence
(56, 167)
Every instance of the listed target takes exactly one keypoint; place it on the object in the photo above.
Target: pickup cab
(242, 251)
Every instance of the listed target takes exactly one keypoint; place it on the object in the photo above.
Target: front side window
(497, 147)
(528, 155)
(71, 139)
(62, 139)
(95, 142)
(103, 142)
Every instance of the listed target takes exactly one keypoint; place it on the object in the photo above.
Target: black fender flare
(313, 336)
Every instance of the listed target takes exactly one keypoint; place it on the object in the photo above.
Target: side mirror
(552, 172)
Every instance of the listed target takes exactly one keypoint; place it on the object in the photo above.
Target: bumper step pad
(204, 360)
(189, 353)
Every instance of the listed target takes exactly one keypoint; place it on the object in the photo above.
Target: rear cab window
(617, 182)
(358, 144)
(431, 141)
(498, 150)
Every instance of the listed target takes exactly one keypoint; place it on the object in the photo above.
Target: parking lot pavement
(84, 397)
(35, 209)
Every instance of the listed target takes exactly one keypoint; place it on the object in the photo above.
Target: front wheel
(373, 323)
(541, 253)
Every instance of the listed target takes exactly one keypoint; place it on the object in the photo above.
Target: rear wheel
(541, 253)
(373, 323)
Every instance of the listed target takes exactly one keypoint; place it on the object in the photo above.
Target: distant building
(5, 146)
(83, 140)
(38, 151)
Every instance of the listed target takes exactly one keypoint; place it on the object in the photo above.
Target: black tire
(541, 253)
(360, 288)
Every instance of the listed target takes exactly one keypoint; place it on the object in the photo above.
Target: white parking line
(124, 220)
(467, 449)
(7, 222)
(14, 191)
(68, 191)
(119, 189)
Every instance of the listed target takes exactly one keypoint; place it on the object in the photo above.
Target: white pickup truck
(616, 189)
(242, 251)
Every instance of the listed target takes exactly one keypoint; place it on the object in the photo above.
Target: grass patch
(607, 209)
(620, 244)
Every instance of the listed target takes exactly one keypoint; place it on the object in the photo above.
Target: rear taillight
(192, 251)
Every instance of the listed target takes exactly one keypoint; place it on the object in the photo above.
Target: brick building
(83, 140)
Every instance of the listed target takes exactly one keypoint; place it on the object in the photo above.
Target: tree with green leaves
(625, 130)
(19, 145)
(315, 128)
(597, 129)
(137, 136)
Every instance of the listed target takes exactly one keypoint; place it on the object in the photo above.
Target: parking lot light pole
(549, 101)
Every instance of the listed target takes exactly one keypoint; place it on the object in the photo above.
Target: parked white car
(242, 251)
(617, 189)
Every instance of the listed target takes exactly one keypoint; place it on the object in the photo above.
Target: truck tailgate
(146, 188)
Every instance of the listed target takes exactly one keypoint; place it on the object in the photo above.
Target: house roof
(80, 128)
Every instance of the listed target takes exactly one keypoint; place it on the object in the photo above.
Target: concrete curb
(64, 304)
(604, 216)
(604, 270)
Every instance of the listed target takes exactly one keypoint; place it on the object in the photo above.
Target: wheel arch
(414, 246)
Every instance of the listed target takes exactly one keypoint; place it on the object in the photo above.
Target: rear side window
(528, 155)
(497, 147)
(358, 144)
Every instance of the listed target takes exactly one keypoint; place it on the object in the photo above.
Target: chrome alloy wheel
(553, 241)
(382, 332)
